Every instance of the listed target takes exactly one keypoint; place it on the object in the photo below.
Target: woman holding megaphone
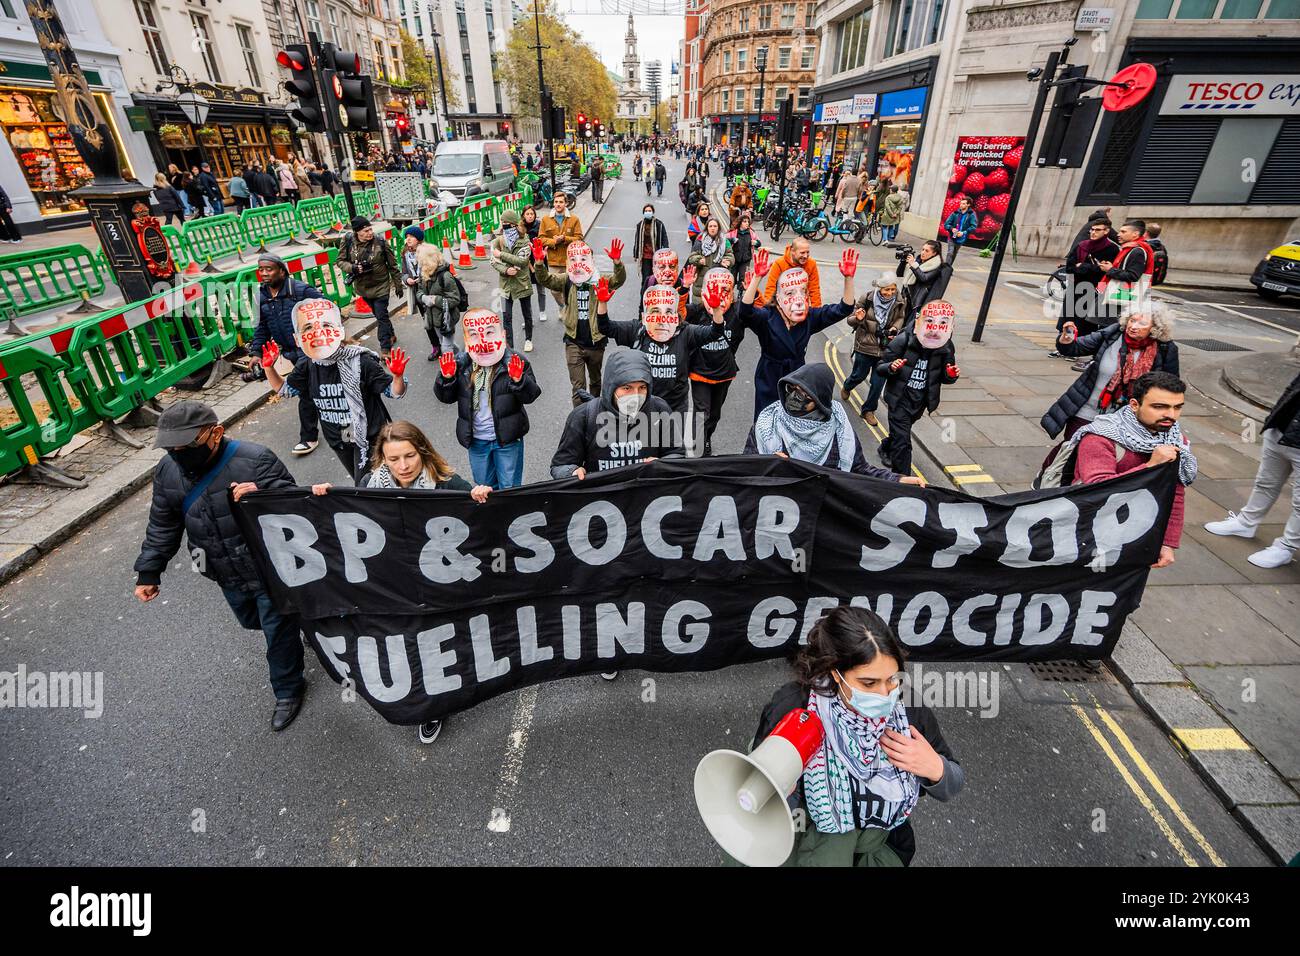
(876, 758)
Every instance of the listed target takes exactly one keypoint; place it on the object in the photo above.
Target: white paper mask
(719, 282)
(792, 295)
(665, 266)
(660, 312)
(935, 323)
(485, 336)
(581, 266)
(318, 326)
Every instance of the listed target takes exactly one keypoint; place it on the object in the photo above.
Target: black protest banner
(431, 603)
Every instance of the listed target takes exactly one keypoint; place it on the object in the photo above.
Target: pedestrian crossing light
(347, 92)
(296, 58)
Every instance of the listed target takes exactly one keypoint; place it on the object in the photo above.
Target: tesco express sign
(1256, 94)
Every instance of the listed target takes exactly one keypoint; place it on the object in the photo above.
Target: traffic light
(1070, 124)
(600, 130)
(591, 128)
(401, 127)
(310, 112)
(348, 92)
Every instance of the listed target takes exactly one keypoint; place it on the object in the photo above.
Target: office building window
(779, 96)
(726, 101)
(334, 26)
(744, 21)
(245, 35)
(853, 33)
(313, 15)
(787, 15)
(740, 100)
(806, 57)
(148, 17)
(742, 60)
(783, 57)
(802, 103)
(203, 40)
(912, 24)
(810, 15)
(765, 17)
(726, 61)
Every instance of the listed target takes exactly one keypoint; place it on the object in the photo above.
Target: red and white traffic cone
(480, 247)
(193, 269)
(361, 307)
(464, 262)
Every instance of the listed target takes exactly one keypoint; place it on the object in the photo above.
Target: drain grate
(1212, 345)
(1068, 672)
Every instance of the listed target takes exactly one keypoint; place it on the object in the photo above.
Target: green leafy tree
(574, 73)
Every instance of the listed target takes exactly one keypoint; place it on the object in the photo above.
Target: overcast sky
(657, 38)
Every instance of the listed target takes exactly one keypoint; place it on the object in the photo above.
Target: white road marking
(516, 744)
(1240, 315)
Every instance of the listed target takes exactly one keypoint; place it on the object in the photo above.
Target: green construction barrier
(267, 224)
(213, 237)
(48, 278)
(316, 215)
(176, 242)
(36, 432)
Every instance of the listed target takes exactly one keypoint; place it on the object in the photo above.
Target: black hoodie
(597, 438)
(670, 361)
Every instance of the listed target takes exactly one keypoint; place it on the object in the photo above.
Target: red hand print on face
(664, 266)
(660, 312)
(718, 287)
(792, 294)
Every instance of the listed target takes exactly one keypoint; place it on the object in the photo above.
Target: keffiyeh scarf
(1123, 428)
(348, 359)
(851, 766)
(806, 439)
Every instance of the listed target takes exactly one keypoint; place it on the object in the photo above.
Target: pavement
(1065, 765)
(1213, 654)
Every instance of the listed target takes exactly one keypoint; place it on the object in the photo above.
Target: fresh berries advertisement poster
(983, 169)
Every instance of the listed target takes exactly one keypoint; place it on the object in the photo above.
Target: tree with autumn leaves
(577, 79)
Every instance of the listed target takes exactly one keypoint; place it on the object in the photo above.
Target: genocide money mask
(318, 325)
(660, 312)
(934, 324)
(581, 266)
(665, 266)
(485, 336)
(792, 295)
(719, 283)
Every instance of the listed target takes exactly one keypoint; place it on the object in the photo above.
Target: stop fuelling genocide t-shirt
(320, 384)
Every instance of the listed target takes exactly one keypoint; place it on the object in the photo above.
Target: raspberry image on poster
(983, 169)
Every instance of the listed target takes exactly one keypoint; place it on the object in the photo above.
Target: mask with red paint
(485, 336)
(792, 295)
(318, 326)
(660, 312)
(935, 324)
(719, 286)
(581, 265)
(664, 266)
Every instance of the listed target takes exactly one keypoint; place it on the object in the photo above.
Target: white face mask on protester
(629, 405)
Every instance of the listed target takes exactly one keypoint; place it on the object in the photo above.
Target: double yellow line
(1085, 714)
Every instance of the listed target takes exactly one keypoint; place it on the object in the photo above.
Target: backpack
(460, 290)
(1160, 267)
(1059, 472)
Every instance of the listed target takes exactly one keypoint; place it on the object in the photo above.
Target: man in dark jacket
(277, 294)
(1279, 458)
(919, 361)
(961, 222)
(372, 267)
(490, 383)
(193, 487)
(8, 230)
(626, 425)
(211, 190)
(597, 179)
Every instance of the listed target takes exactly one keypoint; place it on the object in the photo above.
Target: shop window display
(44, 150)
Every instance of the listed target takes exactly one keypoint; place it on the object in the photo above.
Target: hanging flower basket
(171, 134)
(280, 135)
(207, 135)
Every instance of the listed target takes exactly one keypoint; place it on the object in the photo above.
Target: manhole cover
(1068, 672)
(1212, 345)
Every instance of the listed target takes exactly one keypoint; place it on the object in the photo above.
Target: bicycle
(821, 225)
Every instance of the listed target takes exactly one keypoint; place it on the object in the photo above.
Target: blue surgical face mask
(871, 705)
(648, 214)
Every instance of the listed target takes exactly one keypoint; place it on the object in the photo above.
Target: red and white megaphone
(742, 798)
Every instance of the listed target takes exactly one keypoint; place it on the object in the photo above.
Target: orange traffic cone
(480, 249)
(193, 269)
(361, 307)
(464, 262)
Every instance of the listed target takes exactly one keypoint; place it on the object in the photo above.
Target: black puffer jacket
(508, 398)
(1285, 416)
(209, 526)
(907, 346)
(1077, 395)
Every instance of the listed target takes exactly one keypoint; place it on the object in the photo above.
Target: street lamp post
(442, 82)
(760, 64)
(428, 62)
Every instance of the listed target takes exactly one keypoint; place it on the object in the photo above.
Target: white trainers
(428, 731)
(528, 345)
(304, 447)
(1274, 556)
(1231, 525)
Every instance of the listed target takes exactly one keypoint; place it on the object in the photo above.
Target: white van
(467, 167)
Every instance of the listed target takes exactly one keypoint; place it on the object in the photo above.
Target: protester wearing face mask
(532, 227)
(664, 271)
(744, 240)
(575, 290)
(713, 363)
(490, 384)
(808, 425)
(346, 382)
(784, 329)
(192, 487)
(651, 234)
(877, 318)
(878, 756)
(919, 361)
(628, 410)
(663, 338)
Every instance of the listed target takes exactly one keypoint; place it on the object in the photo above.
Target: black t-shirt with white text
(320, 384)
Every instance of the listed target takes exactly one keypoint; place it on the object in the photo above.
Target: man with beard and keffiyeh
(346, 382)
(808, 425)
(877, 757)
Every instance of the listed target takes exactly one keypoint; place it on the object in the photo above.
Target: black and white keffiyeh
(806, 439)
(1123, 428)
